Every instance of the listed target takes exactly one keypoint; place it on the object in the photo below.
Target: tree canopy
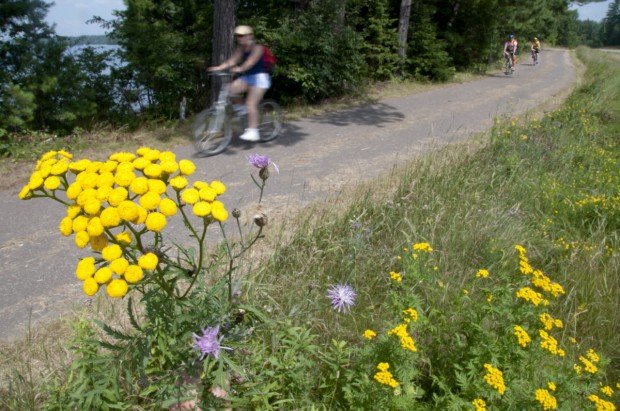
(325, 48)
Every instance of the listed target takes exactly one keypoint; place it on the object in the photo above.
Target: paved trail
(316, 156)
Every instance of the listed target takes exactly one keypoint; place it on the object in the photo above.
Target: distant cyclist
(247, 59)
(510, 50)
(535, 47)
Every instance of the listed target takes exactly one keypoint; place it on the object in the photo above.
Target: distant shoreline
(89, 40)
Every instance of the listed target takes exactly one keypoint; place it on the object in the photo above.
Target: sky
(70, 15)
(593, 11)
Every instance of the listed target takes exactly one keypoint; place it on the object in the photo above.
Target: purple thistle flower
(261, 162)
(208, 343)
(342, 296)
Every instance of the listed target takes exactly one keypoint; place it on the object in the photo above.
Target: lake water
(140, 94)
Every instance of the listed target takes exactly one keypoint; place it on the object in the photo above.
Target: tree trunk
(403, 30)
(224, 12)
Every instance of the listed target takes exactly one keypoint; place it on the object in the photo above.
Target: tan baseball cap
(243, 30)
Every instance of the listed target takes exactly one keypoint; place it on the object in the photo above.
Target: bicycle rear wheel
(270, 125)
(211, 138)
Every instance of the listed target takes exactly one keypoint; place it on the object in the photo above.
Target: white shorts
(260, 80)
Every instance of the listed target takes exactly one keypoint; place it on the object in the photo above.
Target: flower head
(342, 296)
(208, 343)
(261, 162)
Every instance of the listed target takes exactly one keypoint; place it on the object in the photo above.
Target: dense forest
(324, 48)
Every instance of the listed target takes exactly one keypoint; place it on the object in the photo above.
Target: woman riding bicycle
(510, 50)
(255, 80)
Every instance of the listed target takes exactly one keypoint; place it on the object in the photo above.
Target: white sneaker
(250, 134)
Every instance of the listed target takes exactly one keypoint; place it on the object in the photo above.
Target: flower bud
(264, 173)
(260, 219)
(236, 212)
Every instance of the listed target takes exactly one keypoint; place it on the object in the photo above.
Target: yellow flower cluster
(426, 247)
(545, 399)
(550, 344)
(549, 322)
(539, 279)
(601, 404)
(522, 336)
(479, 404)
(384, 376)
(551, 386)
(482, 273)
(495, 378)
(589, 362)
(530, 295)
(113, 201)
(410, 314)
(607, 390)
(369, 334)
(406, 342)
(396, 276)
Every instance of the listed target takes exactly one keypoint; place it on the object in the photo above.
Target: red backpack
(269, 60)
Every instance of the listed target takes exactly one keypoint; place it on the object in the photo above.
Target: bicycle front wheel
(212, 132)
(270, 125)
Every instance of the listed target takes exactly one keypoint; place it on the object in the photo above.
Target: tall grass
(549, 183)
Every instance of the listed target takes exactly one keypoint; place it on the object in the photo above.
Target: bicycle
(534, 57)
(212, 129)
(509, 69)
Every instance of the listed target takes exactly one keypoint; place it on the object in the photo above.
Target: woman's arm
(230, 62)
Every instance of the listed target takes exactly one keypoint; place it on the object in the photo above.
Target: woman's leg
(238, 87)
(255, 95)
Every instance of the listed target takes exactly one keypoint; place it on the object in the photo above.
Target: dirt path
(317, 157)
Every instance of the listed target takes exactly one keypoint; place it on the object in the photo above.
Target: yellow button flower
(85, 268)
(117, 288)
(178, 183)
(168, 207)
(119, 265)
(117, 195)
(157, 186)
(190, 196)
(218, 186)
(66, 226)
(103, 275)
(128, 210)
(112, 252)
(201, 209)
(139, 185)
(110, 217)
(51, 183)
(90, 287)
(219, 213)
(153, 170)
(155, 222)
(124, 237)
(94, 228)
(133, 274)
(81, 239)
(148, 261)
(187, 167)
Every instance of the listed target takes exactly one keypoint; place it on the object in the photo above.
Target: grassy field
(430, 252)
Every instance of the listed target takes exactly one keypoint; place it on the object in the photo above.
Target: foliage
(428, 60)
(317, 58)
(611, 25)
